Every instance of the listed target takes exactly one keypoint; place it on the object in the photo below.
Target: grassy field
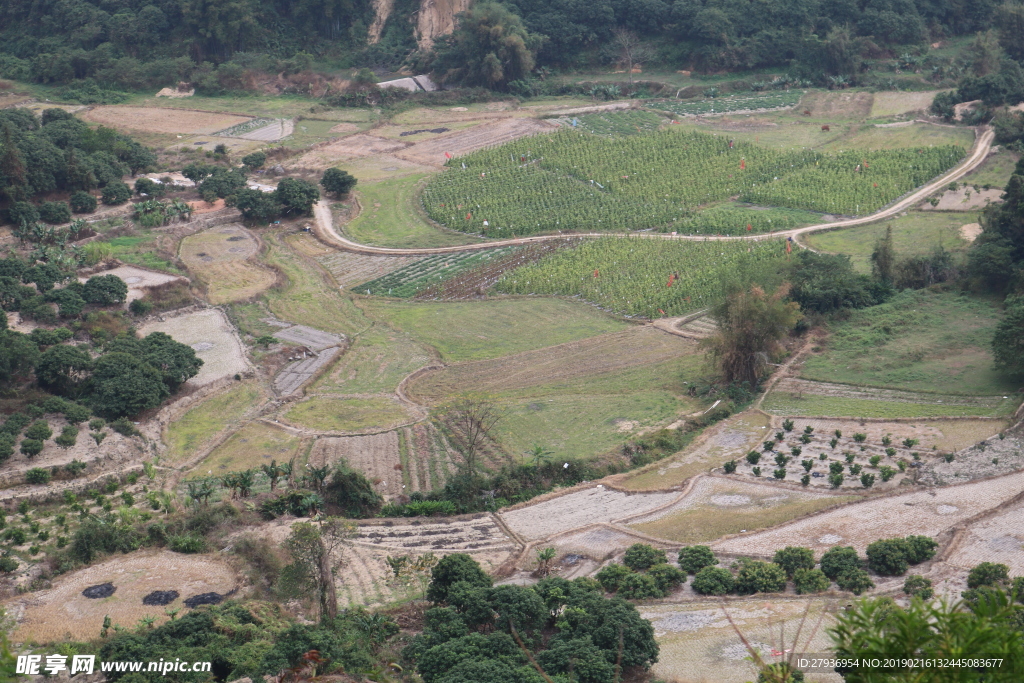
(377, 361)
(916, 135)
(919, 341)
(919, 232)
(308, 298)
(347, 414)
(389, 217)
(198, 425)
(995, 170)
(784, 403)
(475, 330)
(141, 250)
(707, 523)
(253, 445)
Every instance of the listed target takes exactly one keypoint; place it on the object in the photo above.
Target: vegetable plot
(721, 105)
(410, 280)
(572, 181)
(637, 276)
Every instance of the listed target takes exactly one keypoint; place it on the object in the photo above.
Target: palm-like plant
(245, 481)
(273, 472)
(539, 455)
(318, 475)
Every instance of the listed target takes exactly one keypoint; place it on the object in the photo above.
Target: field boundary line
(906, 391)
(690, 483)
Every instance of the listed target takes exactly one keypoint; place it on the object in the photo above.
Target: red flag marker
(447, 155)
(743, 164)
(469, 216)
(749, 227)
(661, 311)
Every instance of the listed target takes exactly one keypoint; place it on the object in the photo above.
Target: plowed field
(465, 141)
(376, 456)
(157, 120)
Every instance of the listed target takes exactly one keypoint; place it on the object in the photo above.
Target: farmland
(189, 432)
(224, 259)
(630, 122)
(640, 277)
(255, 444)
(571, 181)
(329, 414)
(733, 103)
(410, 280)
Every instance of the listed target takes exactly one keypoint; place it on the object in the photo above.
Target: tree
(470, 419)
(116, 193)
(917, 586)
(854, 580)
(611, 576)
(124, 385)
(713, 581)
(837, 560)
(105, 290)
(640, 557)
(751, 324)
(1009, 20)
(872, 628)
(809, 581)
(222, 183)
(793, 558)
(350, 491)
(18, 355)
(311, 547)
(55, 213)
(920, 548)
(82, 202)
(257, 206)
(988, 574)
(888, 557)
(37, 475)
(296, 196)
(489, 47)
(828, 282)
(1008, 340)
(63, 370)
(337, 182)
(693, 558)
(639, 587)
(985, 53)
(579, 657)
(254, 160)
(453, 569)
(667, 577)
(632, 50)
(755, 576)
(176, 362)
(883, 258)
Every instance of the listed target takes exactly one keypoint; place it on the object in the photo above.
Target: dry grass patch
(223, 258)
(185, 435)
(253, 445)
(349, 414)
(63, 613)
(842, 104)
(431, 152)
(156, 120)
(893, 103)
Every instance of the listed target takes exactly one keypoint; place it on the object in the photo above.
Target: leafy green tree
(176, 362)
(489, 47)
(18, 355)
(516, 608)
(755, 576)
(988, 574)
(920, 548)
(82, 202)
(751, 324)
(222, 183)
(125, 385)
(809, 581)
(828, 282)
(1008, 341)
(352, 493)
(39, 430)
(713, 581)
(257, 206)
(55, 213)
(63, 370)
(917, 586)
(693, 558)
(854, 580)
(641, 556)
(451, 569)
(105, 290)
(254, 160)
(337, 182)
(37, 475)
(667, 577)
(792, 558)
(116, 193)
(296, 196)
(839, 559)
(639, 587)
(611, 576)
(197, 172)
(579, 656)
(888, 557)
(311, 547)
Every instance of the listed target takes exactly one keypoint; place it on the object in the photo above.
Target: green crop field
(732, 218)
(918, 341)
(474, 330)
(637, 276)
(723, 105)
(916, 234)
(574, 181)
(630, 122)
(412, 279)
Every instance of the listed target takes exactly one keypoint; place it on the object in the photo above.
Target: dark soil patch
(423, 130)
(103, 590)
(236, 238)
(160, 598)
(204, 599)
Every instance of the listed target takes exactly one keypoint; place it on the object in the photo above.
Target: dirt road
(325, 230)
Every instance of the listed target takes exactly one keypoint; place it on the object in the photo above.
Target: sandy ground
(358, 145)
(376, 456)
(63, 612)
(214, 339)
(965, 199)
(999, 539)
(158, 120)
(927, 513)
(571, 511)
(988, 457)
(137, 279)
(970, 231)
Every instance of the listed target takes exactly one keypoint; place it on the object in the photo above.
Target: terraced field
(419, 275)
(734, 103)
(351, 269)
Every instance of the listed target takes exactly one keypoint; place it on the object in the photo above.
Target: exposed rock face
(437, 18)
(381, 13)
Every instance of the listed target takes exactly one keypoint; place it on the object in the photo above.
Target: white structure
(412, 84)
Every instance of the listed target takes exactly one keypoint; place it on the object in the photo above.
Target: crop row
(473, 282)
(410, 280)
(773, 100)
(730, 219)
(637, 276)
(631, 122)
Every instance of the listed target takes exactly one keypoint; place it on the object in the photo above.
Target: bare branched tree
(470, 418)
(632, 50)
(312, 546)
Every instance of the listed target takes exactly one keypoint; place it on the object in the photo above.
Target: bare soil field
(223, 257)
(606, 353)
(212, 336)
(427, 458)
(943, 435)
(579, 508)
(351, 269)
(63, 613)
(458, 534)
(598, 542)
(698, 645)
(999, 539)
(158, 120)
(965, 199)
(318, 340)
(893, 103)
(357, 145)
(728, 440)
(927, 513)
(805, 386)
(970, 231)
(700, 328)
(988, 457)
(716, 506)
(838, 104)
(255, 444)
(138, 279)
(115, 449)
(431, 152)
(376, 456)
(291, 378)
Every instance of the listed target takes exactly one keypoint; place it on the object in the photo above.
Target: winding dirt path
(326, 232)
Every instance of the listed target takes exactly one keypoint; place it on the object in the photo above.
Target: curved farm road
(325, 230)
